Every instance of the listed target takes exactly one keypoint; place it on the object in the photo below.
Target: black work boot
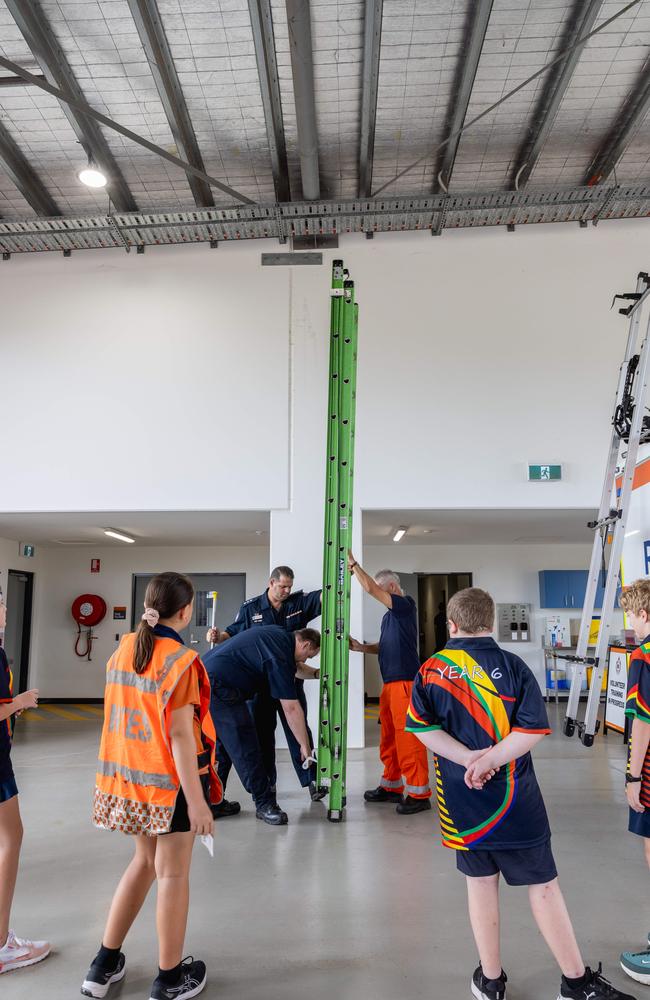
(272, 814)
(225, 808)
(382, 794)
(315, 792)
(409, 805)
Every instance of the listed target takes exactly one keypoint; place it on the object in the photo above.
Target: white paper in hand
(208, 843)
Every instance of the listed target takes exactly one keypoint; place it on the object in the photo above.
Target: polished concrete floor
(371, 908)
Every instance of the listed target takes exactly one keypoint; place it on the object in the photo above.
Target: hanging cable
(581, 41)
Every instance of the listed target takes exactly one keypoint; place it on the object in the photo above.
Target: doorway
(434, 591)
(231, 588)
(20, 591)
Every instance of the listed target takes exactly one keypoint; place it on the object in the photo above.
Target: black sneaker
(409, 805)
(488, 989)
(315, 792)
(595, 987)
(190, 984)
(99, 980)
(272, 814)
(225, 808)
(382, 794)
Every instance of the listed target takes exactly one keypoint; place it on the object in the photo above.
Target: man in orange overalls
(405, 780)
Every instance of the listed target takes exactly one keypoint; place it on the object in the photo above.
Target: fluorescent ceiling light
(628, 534)
(118, 534)
(399, 534)
(92, 176)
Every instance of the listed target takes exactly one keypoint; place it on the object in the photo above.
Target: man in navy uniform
(252, 662)
(276, 606)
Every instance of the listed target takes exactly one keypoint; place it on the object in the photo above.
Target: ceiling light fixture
(118, 534)
(92, 176)
(629, 534)
(399, 534)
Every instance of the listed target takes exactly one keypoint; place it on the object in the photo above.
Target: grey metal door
(231, 588)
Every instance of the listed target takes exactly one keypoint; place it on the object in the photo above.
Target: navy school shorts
(528, 866)
(639, 823)
(181, 819)
(8, 789)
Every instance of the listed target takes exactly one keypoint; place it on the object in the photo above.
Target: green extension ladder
(335, 654)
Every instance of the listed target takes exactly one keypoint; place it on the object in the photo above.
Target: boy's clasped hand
(479, 769)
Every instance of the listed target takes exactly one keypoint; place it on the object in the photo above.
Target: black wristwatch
(631, 780)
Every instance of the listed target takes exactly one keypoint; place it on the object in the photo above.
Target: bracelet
(631, 780)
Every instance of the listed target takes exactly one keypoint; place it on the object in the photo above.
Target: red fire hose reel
(87, 610)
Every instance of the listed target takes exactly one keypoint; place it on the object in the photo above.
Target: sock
(107, 957)
(576, 983)
(170, 976)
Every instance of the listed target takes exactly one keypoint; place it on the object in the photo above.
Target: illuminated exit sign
(544, 473)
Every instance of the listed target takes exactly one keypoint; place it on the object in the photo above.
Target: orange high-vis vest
(137, 782)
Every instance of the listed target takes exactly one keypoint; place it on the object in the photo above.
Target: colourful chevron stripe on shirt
(456, 672)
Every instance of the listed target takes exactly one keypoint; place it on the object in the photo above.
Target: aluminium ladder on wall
(631, 426)
(332, 726)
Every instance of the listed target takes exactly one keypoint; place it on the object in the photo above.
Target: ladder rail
(611, 584)
(643, 292)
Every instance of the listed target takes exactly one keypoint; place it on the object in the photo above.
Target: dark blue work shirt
(253, 660)
(399, 659)
(6, 770)
(296, 612)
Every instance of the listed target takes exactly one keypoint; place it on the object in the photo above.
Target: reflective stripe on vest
(110, 768)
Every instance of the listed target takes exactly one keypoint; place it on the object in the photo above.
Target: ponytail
(166, 594)
(144, 638)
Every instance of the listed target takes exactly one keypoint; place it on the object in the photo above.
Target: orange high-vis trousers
(406, 766)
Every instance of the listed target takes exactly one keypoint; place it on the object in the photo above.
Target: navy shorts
(8, 789)
(528, 866)
(639, 823)
(181, 819)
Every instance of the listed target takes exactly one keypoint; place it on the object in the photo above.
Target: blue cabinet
(565, 588)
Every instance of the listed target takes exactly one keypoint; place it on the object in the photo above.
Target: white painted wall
(123, 373)
(479, 351)
(63, 574)
(508, 572)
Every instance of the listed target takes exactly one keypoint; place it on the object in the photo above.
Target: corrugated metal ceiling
(423, 45)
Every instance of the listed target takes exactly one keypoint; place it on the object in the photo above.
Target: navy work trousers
(238, 745)
(266, 711)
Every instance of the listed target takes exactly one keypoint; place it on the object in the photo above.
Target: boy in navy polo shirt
(635, 601)
(480, 709)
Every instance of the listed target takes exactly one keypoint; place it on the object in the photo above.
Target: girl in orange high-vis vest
(156, 779)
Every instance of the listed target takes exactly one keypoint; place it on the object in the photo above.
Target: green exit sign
(544, 473)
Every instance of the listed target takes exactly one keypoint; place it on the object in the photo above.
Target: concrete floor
(371, 908)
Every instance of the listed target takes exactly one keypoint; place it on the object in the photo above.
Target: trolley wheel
(587, 739)
(335, 815)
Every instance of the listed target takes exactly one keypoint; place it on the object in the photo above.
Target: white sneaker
(17, 952)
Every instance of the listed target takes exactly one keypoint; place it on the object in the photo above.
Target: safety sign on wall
(119, 613)
(95, 565)
(617, 662)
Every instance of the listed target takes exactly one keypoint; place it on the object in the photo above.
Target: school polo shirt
(254, 659)
(399, 659)
(6, 770)
(478, 693)
(637, 705)
(294, 613)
